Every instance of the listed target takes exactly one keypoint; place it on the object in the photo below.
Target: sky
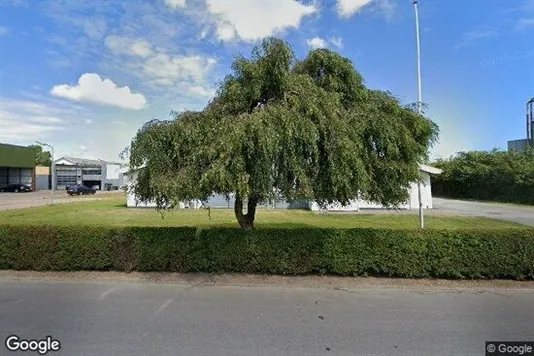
(83, 76)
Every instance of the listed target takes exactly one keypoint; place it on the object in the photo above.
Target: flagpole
(419, 104)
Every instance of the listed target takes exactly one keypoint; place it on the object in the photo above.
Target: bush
(354, 252)
(501, 176)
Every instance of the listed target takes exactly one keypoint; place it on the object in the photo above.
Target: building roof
(430, 169)
(422, 167)
(85, 161)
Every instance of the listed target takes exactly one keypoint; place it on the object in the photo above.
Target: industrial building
(17, 165)
(100, 174)
(219, 201)
(522, 144)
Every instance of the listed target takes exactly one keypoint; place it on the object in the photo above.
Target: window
(92, 171)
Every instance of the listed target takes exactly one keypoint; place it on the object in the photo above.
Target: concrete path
(514, 213)
(126, 318)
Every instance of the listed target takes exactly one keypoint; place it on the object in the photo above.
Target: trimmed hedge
(355, 252)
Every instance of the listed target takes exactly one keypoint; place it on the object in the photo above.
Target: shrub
(356, 252)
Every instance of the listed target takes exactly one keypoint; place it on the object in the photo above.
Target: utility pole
(419, 104)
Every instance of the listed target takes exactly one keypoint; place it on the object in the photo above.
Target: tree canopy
(487, 175)
(42, 158)
(279, 127)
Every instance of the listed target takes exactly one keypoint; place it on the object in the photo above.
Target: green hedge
(354, 252)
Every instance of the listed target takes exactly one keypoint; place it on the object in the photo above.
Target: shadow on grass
(121, 205)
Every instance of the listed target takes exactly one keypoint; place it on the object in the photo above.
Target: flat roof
(430, 169)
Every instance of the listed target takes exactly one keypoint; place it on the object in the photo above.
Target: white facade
(412, 203)
(133, 202)
(218, 201)
(100, 174)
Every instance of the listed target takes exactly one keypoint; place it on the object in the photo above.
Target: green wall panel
(16, 156)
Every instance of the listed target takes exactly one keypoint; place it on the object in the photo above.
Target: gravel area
(10, 201)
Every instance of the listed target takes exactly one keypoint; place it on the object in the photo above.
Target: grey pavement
(119, 318)
(42, 198)
(515, 213)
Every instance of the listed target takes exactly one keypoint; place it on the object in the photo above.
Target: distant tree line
(487, 175)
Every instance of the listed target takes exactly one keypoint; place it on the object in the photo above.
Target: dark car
(16, 188)
(80, 190)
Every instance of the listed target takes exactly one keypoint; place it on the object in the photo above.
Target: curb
(251, 280)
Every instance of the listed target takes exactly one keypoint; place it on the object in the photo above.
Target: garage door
(20, 176)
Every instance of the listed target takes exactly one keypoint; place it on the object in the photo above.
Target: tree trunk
(246, 221)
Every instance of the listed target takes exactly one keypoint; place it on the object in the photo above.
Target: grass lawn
(113, 212)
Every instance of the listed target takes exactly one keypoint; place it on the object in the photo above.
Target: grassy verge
(113, 212)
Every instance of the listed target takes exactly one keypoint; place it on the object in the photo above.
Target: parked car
(16, 188)
(80, 190)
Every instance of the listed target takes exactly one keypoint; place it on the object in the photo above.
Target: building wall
(17, 164)
(106, 175)
(219, 201)
(413, 203)
(16, 156)
(518, 145)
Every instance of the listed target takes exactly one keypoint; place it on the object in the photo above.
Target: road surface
(122, 318)
(43, 197)
(514, 213)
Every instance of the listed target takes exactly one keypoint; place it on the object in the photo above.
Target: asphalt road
(514, 213)
(145, 319)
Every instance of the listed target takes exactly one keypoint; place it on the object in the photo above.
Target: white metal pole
(53, 172)
(419, 103)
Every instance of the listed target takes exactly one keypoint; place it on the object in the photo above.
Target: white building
(219, 201)
(100, 174)
(412, 203)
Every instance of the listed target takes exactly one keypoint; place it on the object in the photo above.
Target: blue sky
(85, 75)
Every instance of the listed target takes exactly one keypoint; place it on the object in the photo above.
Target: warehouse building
(522, 144)
(219, 201)
(99, 174)
(17, 165)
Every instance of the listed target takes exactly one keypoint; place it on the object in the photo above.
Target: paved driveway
(514, 213)
(41, 198)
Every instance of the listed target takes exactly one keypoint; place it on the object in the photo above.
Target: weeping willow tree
(283, 128)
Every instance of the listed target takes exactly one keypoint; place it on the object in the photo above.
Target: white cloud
(124, 45)
(347, 8)
(337, 41)
(316, 42)
(166, 69)
(24, 121)
(256, 19)
(175, 4)
(524, 23)
(199, 91)
(3, 30)
(60, 62)
(94, 28)
(471, 37)
(386, 8)
(92, 88)
(88, 121)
